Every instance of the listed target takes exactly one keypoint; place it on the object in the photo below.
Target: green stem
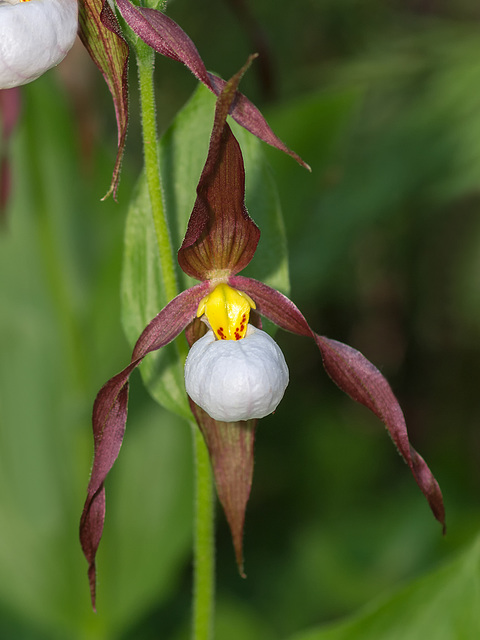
(145, 60)
(204, 544)
(204, 548)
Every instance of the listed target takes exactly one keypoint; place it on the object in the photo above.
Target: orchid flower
(35, 35)
(234, 372)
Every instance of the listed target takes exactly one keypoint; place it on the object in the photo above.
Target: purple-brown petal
(110, 415)
(220, 235)
(109, 418)
(164, 35)
(9, 111)
(250, 118)
(355, 375)
(364, 383)
(230, 448)
(101, 35)
(167, 38)
(9, 114)
(273, 305)
(170, 321)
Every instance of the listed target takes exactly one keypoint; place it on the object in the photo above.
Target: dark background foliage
(381, 99)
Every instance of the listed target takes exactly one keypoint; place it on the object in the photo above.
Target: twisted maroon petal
(101, 35)
(355, 375)
(165, 36)
(110, 415)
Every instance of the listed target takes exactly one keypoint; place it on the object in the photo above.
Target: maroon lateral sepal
(355, 375)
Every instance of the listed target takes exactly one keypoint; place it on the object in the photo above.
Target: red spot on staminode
(243, 323)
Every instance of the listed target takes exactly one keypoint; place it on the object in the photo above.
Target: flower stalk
(145, 64)
(203, 544)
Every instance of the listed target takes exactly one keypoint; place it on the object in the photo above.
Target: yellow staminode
(227, 311)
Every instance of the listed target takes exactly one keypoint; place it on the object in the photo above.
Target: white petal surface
(236, 379)
(34, 37)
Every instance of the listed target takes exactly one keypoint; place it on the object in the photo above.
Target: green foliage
(443, 605)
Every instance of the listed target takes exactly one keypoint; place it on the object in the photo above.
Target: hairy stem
(204, 544)
(204, 551)
(145, 60)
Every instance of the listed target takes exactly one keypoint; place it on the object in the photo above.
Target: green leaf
(143, 297)
(183, 151)
(442, 605)
(161, 5)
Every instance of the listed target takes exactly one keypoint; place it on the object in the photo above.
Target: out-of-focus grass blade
(442, 605)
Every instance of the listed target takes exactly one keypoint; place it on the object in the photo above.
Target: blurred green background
(382, 100)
